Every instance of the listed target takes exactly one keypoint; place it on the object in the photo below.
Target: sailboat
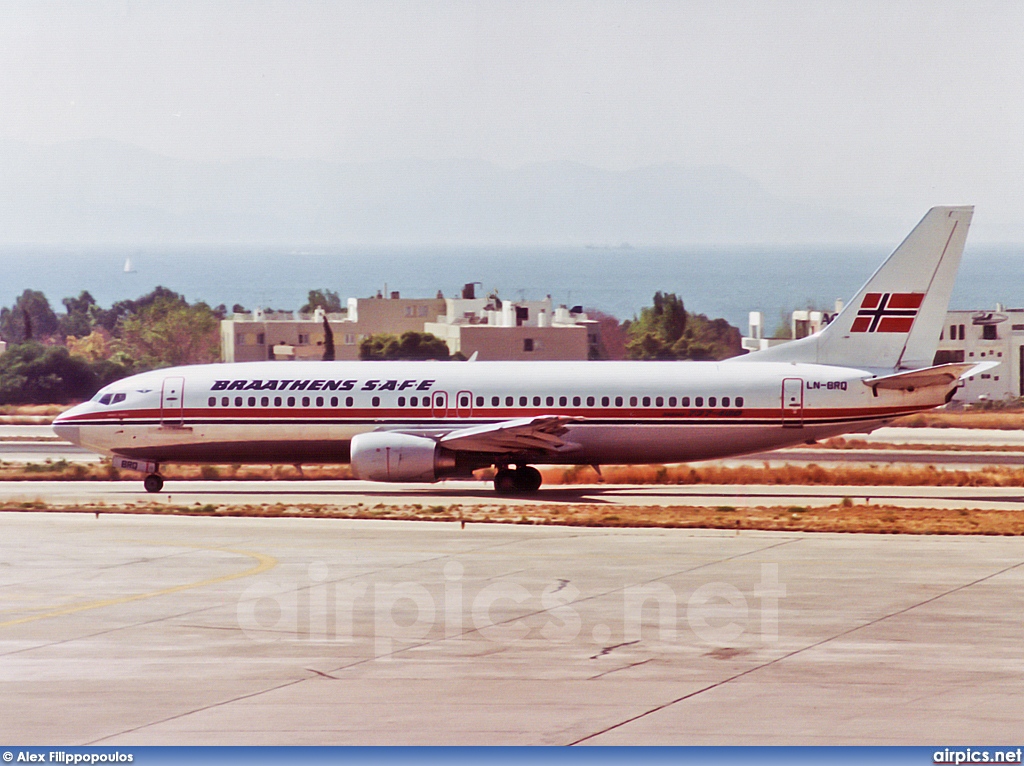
(128, 268)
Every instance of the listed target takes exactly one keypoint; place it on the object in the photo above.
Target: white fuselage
(624, 412)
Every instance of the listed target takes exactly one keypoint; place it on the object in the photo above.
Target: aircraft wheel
(505, 482)
(153, 483)
(528, 479)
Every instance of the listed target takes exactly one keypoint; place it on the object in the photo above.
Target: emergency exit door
(793, 403)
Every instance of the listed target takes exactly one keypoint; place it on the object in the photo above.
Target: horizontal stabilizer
(542, 433)
(941, 375)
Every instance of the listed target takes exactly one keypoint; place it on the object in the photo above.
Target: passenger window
(659, 402)
(509, 401)
(590, 401)
(305, 401)
(212, 401)
(349, 401)
(575, 401)
(671, 401)
(739, 401)
(224, 402)
(238, 401)
(291, 401)
(605, 401)
(277, 401)
(334, 401)
(618, 401)
(479, 401)
(712, 401)
(536, 401)
(549, 401)
(685, 401)
(562, 401)
(632, 401)
(401, 401)
(414, 401)
(494, 401)
(463, 401)
(725, 401)
(265, 401)
(698, 402)
(252, 401)
(647, 401)
(522, 401)
(375, 401)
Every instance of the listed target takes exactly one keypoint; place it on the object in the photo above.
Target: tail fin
(895, 320)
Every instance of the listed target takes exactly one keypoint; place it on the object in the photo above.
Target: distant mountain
(98, 192)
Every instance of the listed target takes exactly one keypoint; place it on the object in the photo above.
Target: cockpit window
(117, 398)
(111, 398)
(105, 399)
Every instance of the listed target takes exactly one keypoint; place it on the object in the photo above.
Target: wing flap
(539, 434)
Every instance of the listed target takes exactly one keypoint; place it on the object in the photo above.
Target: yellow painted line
(264, 564)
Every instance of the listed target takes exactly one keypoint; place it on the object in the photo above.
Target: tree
(412, 345)
(665, 331)
(168, 332)
(328, 341)
(611, 335)
(77, 321)
(325, 299)
(31, 373)
(108, 318)
(30, 317)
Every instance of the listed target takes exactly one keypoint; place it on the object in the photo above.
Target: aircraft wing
(940, 375)
(538, 434)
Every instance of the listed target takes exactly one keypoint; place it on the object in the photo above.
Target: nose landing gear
(153, 483)
(523, 480)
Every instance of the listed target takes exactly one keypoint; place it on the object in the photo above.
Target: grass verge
(845, 517)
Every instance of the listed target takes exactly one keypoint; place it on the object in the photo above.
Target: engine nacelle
(389, 456)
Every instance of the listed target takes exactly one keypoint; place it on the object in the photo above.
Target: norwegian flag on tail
(887, 312)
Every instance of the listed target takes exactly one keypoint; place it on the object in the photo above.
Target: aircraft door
(172, 402)
(792, 403)
(464, 404)
(440, 404)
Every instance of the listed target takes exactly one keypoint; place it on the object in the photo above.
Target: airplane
(427, 421)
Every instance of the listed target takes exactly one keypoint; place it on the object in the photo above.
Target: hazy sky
(873, 107)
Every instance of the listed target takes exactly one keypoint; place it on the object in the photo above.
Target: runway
(148, 630)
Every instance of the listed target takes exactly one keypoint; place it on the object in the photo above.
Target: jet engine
(390, 456)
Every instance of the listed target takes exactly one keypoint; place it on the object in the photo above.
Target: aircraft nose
(64, 426)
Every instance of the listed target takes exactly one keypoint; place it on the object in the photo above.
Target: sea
(723, 282)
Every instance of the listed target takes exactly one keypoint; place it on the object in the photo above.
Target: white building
(986, 336)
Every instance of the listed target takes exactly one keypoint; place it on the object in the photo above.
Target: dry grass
(30, 414)
(996, 420)
(896, 475)
(61, 470)
(870, 475)
(844, 517)
(843, 443)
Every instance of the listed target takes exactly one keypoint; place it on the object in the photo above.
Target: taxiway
(132, 630)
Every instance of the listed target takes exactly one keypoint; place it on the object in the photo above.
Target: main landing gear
(153, 483)
(522, 480)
